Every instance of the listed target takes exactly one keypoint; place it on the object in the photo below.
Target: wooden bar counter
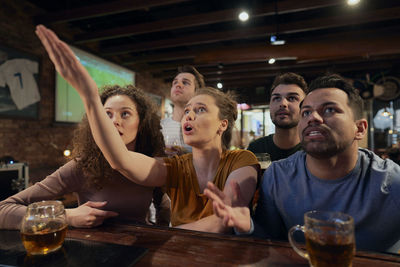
(141, 245)
(175, 247)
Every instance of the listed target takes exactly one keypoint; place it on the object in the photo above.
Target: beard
(285, 125)
(326, 149)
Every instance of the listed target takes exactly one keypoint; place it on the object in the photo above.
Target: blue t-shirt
(370, 193)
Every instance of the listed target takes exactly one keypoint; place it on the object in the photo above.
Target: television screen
(69, 106)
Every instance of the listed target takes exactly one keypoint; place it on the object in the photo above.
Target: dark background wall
(40, 142)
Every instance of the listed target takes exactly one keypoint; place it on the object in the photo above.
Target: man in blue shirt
(332, 173)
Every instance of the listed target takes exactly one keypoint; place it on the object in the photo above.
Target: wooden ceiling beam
(284, 7)
(308, 69)
(314, 50)
(287, 28)
(99, 10)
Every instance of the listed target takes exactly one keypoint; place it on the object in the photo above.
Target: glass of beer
(43, 227)
(264, 159)
(329, 238)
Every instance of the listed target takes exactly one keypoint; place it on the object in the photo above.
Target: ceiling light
(219, 85)
(353, 2)
(276, 41)
(271, 61)
(243, 16)
(67, 153)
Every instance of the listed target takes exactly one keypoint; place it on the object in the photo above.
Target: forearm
(105, 134)
(136, 167)
(11, 214)
(211, 224)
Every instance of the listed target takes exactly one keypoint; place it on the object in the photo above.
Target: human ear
(362, 126)
(223, 126)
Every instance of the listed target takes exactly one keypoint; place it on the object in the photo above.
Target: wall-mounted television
(69, 106)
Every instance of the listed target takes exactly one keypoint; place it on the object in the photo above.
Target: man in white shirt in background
(185, 83)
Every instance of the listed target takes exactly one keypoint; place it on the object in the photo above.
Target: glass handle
(293, 242)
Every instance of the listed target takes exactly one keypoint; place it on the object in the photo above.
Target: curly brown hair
(149, 139)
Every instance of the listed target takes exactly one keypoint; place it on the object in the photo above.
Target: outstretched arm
(144, 170)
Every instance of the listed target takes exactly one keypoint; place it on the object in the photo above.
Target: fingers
(215, 190)
(95, 204)
(211, 195)
(49, 42)
(59, 52)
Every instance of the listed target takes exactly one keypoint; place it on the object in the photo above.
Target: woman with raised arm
(101, 191)
(207, 128)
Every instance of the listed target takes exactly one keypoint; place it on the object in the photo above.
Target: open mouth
(314, 133)
(187, 128)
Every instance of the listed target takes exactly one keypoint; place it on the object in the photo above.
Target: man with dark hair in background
(287, 91)
(186, 82)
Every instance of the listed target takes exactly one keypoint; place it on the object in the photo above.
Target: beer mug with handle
(329, 237)
(43, 227)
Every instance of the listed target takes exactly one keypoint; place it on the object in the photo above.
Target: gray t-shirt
(370, 193)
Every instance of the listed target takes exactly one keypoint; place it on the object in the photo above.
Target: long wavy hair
(149, 139)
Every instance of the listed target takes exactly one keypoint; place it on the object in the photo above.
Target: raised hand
(88, 215)
(238, 217)
(66, 63)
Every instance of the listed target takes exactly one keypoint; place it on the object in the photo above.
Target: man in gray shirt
(332, 173)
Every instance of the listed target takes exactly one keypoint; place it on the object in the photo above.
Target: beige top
(130, 200)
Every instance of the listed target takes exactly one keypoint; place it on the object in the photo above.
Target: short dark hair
(336, 81)
(198, 78)
(290, 78)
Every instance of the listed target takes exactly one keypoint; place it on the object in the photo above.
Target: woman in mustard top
(207, 128)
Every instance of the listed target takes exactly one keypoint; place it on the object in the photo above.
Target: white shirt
(18, 75)
(172, 132)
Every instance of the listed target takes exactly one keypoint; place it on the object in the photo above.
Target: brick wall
(40, 142)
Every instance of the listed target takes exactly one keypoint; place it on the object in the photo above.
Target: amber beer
(329, 237)
(329, 254)
(43, 227)
(44, 241)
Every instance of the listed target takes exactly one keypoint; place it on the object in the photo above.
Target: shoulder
(379, 168)
(287, 167)
(178, 159)
(169, 122)
(239, 154)
(261, 140)
(235, 159)
(164, 122)
(369, 158)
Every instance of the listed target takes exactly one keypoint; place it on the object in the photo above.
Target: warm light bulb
(243, 16)
(67, 152)
(271, 61)
(219, 85)
(353, 2)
